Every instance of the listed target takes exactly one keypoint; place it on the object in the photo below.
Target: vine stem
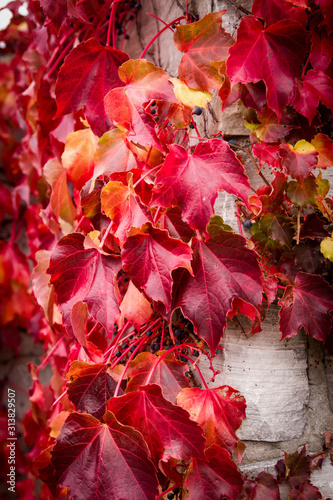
(59, 398)
(145, 175)
(298, 225)
(198, 370)
(138, 347)
(238, 220)
(78, 224)
(49, 354)
(161, 20)
(159, 33)
(253, 161)
(59, 58)
(111, 26)
(106, 234)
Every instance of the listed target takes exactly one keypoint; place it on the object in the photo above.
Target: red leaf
(143, 82)
(305, 491)
(298, 160)
(267, 153)
(112, 154)
(218, 478)
(224, 268)
(297, 467)
(123, 207)
(167, 428)
(167, 372)
(87, 275)
(218, 411)
(273, 55)
(88, 73)
(135, 307)
(321, 50)
(90, 387)
(316, 86)
(193, 181)
(263, 488)
(312, 302)
(204, 42)
(276, 10)
(149, 256)
(176, 226)
(57, 11)
(88, 454)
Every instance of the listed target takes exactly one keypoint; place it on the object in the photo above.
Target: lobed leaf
(149, 256)
(311, 303)
(192, 180)
(216, 478)
(90, 387)
(167, 372)
(80, 274)
(223, 269)
(218, 411)
(88, 73)
(204, 42)
(274, 55)
(167, 428)
(103, 461)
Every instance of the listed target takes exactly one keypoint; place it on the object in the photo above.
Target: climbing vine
(113, 256)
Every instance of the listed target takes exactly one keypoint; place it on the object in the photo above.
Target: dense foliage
(108, 194)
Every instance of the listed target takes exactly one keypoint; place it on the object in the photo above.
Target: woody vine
(110, 187)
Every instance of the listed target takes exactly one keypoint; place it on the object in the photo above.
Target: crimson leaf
(84, 274)
(265, 486)
(167, 428)
(203, 43)
(218, 478)
(88, 73)
(89, 387)
(88, 452)
(167, 372)
(149, 256)
(273, 55)
(223, 269)
(310, 306)
(218, 411)
(193, 180)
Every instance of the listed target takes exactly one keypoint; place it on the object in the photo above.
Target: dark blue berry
(133, 348)
(178, 333)
(191, 125)
(118, 354)
(232, 142)
(195, 354)
(124, 345)
(167, 347)
(176, 491)
(153, 112)
(173, 26)
(138, 6)
(127, 37)
(247, 223)
(149, 333)
(170, 495)
(197, 110)
(155, 347)
(186, 374)
(182, 358)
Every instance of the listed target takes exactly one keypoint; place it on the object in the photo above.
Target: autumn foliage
(116, 260)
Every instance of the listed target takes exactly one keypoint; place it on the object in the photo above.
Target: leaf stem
(253, 161)
(298, 225)
(59, 58)
(106, 234)
(159, 33)
(126, 366)
(145, 175)
(78, 224)
(49, 354)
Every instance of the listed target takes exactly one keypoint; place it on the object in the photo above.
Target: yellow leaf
(190, 97)
(326, 248)
(304, 146)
